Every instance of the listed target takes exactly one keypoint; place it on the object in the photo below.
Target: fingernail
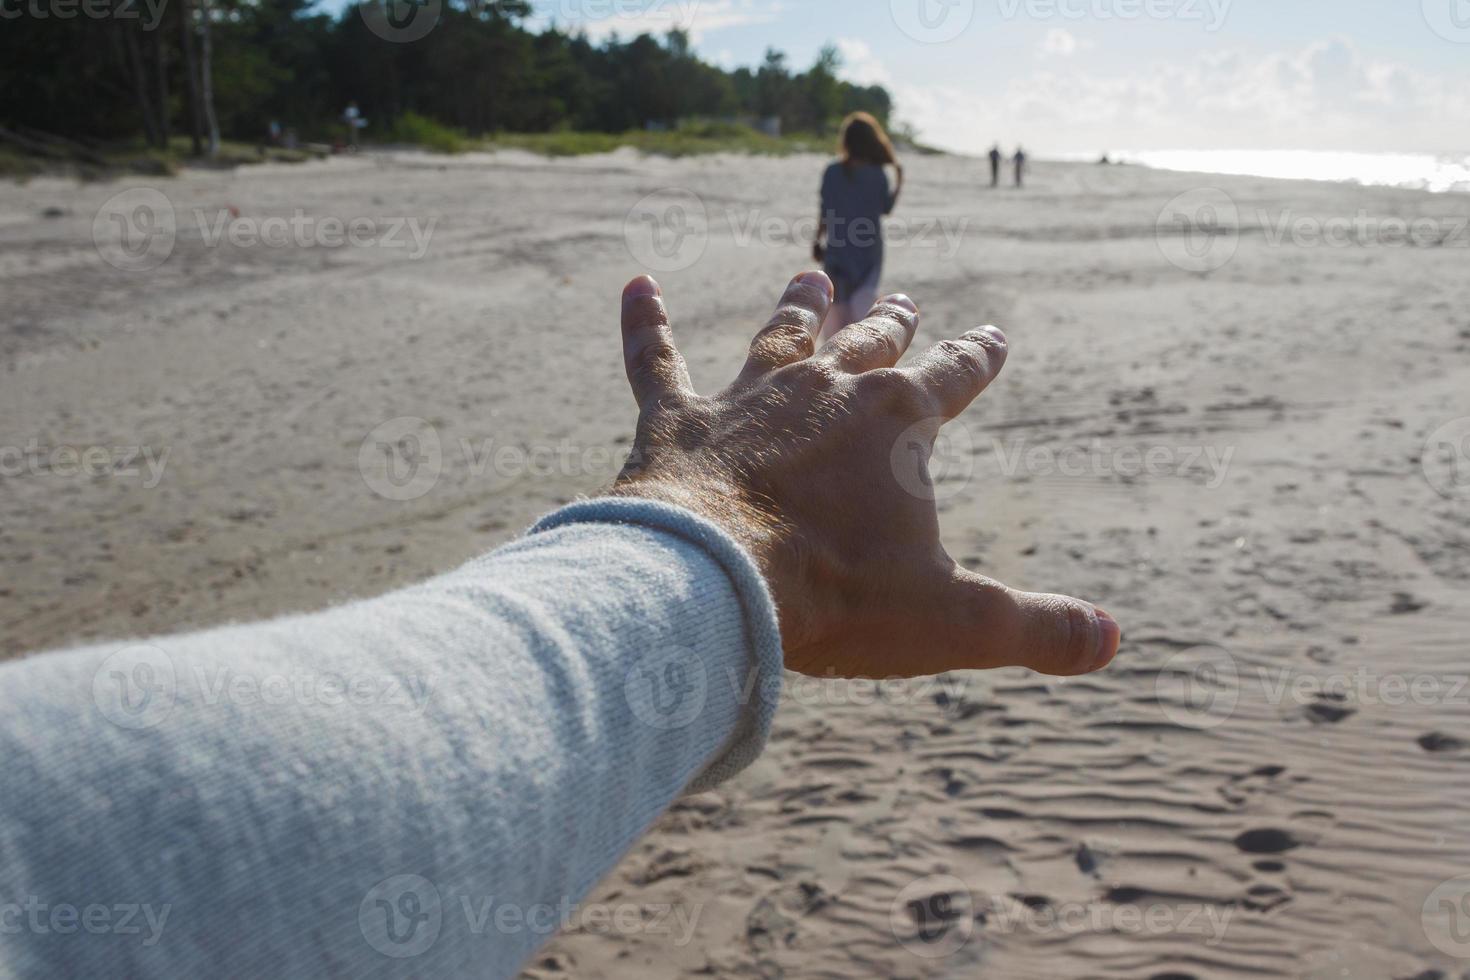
(817, 279)
(1000, 338)
(641, 287)
(899, 299)
(1109, 636)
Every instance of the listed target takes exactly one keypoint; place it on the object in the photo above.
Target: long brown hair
(862, 140)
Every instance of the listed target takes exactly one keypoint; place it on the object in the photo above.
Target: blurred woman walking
(855, 197)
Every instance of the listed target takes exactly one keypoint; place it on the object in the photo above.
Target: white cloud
(1325, 95)
(859, 64)
(1062, 43)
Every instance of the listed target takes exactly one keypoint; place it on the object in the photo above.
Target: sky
(1091, 76)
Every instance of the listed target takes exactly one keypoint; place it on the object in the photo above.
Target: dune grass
(686, 140)
(426, 133)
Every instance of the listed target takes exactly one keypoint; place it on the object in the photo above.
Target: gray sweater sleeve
(422, 784)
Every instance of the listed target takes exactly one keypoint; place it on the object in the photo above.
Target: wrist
(721, 505)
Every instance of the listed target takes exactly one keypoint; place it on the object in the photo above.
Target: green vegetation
(684, 141)
(268, 71)
(135, 156)
(420, 131)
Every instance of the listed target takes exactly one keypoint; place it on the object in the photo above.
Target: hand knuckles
(894, 312)
(870, 337)
(784, 341)
(966, 355)
(791, 315)
(899, 391)
(815, 374)
(654, 357)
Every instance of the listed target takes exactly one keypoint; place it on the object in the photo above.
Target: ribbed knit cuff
(762, 630)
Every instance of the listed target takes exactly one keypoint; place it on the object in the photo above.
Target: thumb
(1051, 634)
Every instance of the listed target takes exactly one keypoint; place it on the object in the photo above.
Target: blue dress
(854, 201)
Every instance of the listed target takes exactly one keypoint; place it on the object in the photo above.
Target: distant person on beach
(854, 198)
(1020, 166)
(995, 158)
(353, 118)
(324, 793)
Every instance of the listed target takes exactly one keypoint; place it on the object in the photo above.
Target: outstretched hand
(809, 459)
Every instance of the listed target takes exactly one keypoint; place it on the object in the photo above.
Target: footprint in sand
(1405, 603)
(1087, 860)
(1265, 898)
(1267, 840)
(1238, 789)
(1329, 709)
(1439, 742)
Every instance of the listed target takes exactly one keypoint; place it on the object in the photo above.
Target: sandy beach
(1250, 445)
